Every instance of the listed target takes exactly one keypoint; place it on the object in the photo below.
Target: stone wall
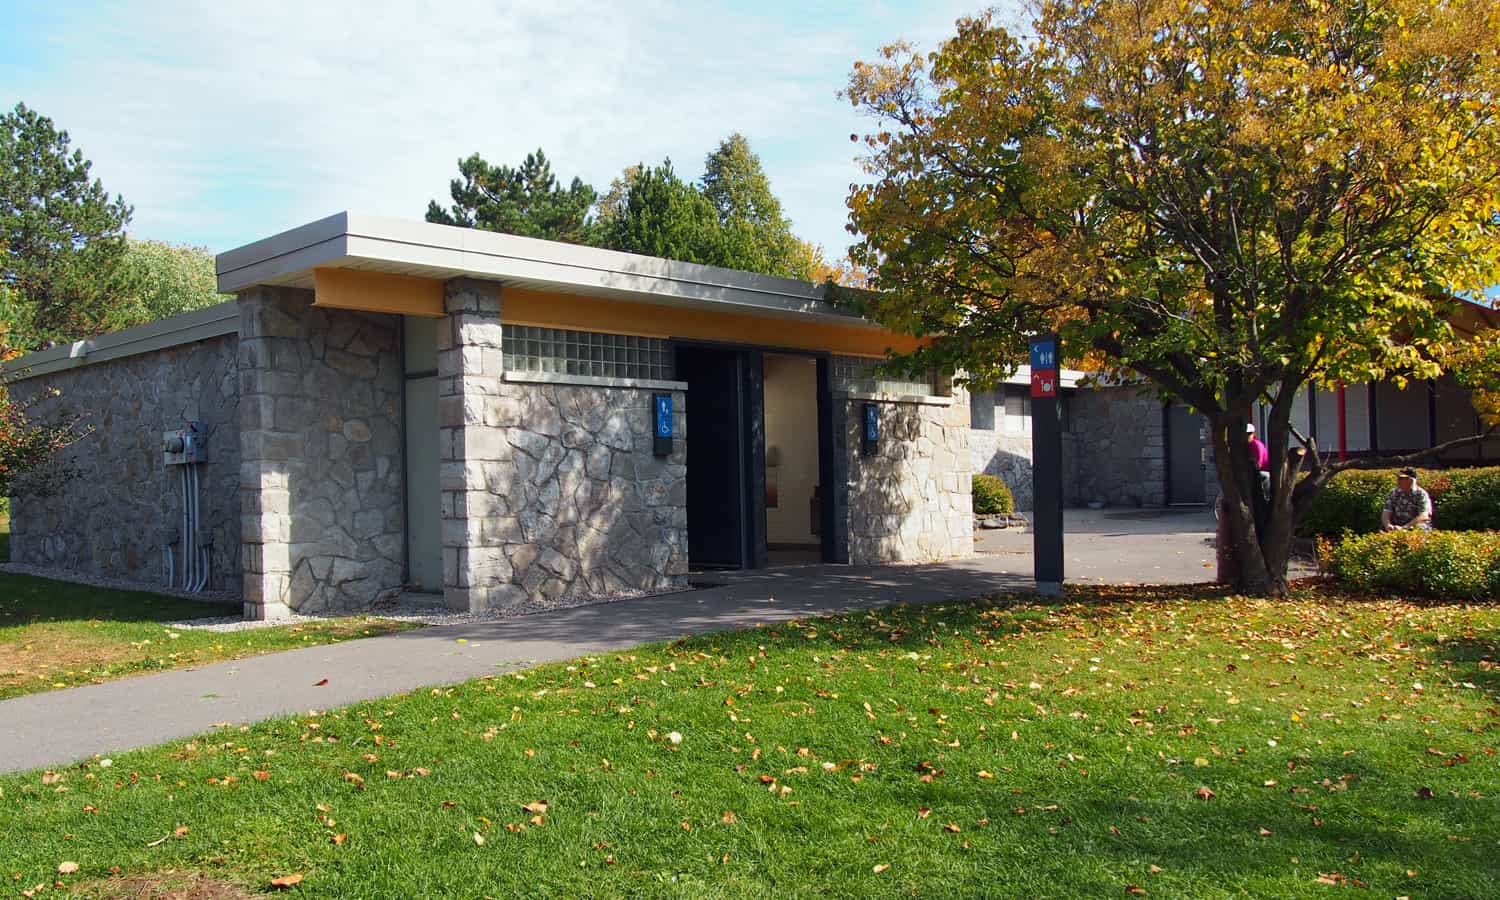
(323, 498)
(115, 518)
(912, 500)
(1120, 447)
(1007, 456)
(550, 490)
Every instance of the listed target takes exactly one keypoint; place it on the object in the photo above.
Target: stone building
(502, 420)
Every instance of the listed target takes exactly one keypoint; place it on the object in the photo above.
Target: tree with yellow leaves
(1225, 200)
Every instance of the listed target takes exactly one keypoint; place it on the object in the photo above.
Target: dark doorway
(717, 492)
(1184, 456)
(729, 483)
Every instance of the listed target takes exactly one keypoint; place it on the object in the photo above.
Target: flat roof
(422, 249)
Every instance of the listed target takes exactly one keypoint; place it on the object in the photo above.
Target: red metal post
(1343, 426)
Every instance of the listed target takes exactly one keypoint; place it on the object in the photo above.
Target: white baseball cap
(1250, 428)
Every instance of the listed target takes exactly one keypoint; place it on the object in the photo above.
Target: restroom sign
(1044, 368)
(661, 405)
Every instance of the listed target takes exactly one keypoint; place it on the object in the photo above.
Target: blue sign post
(661, 430)
(1046, 465)
(870, 433)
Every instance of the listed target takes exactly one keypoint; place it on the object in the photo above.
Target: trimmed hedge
(1462, 500)
(992, 497)
(1445, 565)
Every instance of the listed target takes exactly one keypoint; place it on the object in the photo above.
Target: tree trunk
(1261, 554)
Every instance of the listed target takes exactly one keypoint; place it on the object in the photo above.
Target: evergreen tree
(654, 212)
(753, 233)
(61, 236)
(527, 200)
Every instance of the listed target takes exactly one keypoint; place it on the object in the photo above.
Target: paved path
(62, 726)
(1118, 546)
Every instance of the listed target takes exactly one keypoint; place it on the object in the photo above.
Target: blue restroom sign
(661, 430)
(664, 415)
(870, 433)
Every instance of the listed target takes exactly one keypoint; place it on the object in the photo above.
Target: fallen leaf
(286, 881)
(1424, 793)
(1203, 793)
(339, 839)
(67, 868)
(729, 818)
(880, 867)
(539, 806)
(1134, 889)
(180, 831)
(478, 839)
(261, 775)
(320, 683)
(953, 827)
(923, 812)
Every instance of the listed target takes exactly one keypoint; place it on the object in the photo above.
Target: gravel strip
(409, 606)
(416, 608)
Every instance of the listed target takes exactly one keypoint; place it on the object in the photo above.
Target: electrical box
(186, 446)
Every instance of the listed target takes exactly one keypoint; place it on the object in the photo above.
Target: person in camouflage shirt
(1408, 506)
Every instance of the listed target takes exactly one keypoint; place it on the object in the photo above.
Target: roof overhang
(441, 252)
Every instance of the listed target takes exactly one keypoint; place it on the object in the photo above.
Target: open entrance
(759, 456)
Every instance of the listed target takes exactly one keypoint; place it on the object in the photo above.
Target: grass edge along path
(1166, 742)
(59, 634)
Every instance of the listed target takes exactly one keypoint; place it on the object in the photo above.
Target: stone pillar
(476, 570)
(265, 502)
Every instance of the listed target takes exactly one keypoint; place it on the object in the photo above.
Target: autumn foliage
(1227, 201)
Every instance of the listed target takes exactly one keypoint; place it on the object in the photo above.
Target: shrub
(1446, 565)
(992, 497)
(1462, 500)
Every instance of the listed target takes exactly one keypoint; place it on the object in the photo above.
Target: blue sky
(223, 123)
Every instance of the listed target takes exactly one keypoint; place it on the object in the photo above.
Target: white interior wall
(791, 394)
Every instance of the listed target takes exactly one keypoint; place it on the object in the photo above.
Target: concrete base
(256, 612)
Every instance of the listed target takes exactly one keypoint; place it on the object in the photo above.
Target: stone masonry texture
(550, 491)
(912, 500)
(115, 518)
(320, 428)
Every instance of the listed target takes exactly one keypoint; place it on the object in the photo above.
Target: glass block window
(858, 374)
(528, 348)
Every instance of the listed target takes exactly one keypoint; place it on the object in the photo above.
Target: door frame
(752, 412)
(1167, 449)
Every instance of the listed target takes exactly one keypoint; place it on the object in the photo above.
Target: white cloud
(228, 122)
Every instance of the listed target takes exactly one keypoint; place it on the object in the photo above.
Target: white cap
(1250, 428)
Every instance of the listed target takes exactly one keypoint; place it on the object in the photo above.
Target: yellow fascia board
(401, 295)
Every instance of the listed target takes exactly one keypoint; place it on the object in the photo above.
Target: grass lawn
(54, 634)
(1138, 743)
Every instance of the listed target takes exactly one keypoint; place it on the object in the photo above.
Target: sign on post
(1046, 465)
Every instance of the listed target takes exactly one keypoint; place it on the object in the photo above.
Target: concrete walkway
(1117, 546)
(59, 727)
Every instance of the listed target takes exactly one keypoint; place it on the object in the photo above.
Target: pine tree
(61, 236)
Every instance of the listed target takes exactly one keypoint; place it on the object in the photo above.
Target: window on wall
(554, 350)
(860, 375)
(1017, 409)
(982, 410)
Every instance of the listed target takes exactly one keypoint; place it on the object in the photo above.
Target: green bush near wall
(1443, 565)
(1462, 500)
(992, 497)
